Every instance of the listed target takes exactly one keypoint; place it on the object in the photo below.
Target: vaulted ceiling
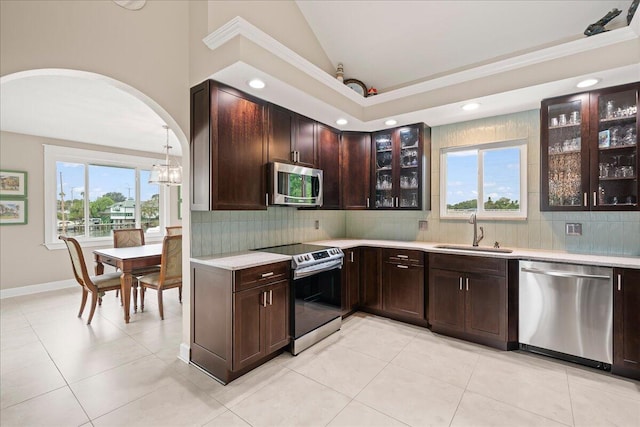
(426, 58)
(388, 44)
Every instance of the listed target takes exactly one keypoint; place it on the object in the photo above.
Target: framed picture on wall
(13, 183)
(13, 212)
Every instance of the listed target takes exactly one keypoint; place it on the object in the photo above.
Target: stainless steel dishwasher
(566, 311)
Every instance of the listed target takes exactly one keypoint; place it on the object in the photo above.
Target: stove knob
(299, 259)
(308, 257)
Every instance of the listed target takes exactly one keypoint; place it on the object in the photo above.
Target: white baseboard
(185, 353)
(34, 289)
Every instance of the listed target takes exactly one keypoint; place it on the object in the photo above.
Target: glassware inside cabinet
(564, 151)
(617, 149)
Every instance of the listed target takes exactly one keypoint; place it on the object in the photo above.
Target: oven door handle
(315, 269)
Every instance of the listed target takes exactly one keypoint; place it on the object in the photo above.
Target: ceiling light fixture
(470, 106)
(167, 173)
(256, 84)
(588, 83)
(341, 122)
(391, 122)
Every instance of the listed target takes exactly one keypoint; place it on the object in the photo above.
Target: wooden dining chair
(170, 275)
(97, 285)
(174, 230)
(128, 238)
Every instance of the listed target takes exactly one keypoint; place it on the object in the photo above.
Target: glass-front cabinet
(589, 156)
(565, 145)
(615, 165)
(384, 185)
(398, 167)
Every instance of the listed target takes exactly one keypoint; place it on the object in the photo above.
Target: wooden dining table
(127, 260)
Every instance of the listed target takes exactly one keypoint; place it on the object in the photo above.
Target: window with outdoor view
(489, 180)
(97, 192)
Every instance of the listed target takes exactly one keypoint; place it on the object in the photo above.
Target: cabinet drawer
(261, 275)
(470, 264)
(403, 256)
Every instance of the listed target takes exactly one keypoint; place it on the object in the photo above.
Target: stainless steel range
(316, 306)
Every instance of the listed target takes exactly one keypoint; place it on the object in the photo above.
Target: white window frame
(521, 144)
(55, 153)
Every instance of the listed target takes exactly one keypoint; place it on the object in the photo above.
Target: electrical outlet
(317, 224)
(423, 224)
(573, 229)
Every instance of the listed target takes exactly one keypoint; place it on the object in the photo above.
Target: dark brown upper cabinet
(589, 151)
(398, 167)
(356, 170)
(292, 137)
(329, 161)
(228, 149)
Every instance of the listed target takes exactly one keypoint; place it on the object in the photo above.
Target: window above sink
(489, 180)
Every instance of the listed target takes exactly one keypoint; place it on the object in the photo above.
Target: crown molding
(238, 26)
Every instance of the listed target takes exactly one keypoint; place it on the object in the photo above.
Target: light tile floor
(55, 370)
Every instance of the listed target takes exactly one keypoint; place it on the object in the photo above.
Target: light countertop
(518, 253)
(240, 260)
(247, 259)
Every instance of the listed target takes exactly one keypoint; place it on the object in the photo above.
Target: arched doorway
(136, 107)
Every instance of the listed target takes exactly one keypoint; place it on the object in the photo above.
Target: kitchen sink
(475, 248)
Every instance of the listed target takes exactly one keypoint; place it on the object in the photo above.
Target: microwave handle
(318, 185)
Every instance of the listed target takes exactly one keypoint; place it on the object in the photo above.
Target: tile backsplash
(229, 231)
(615, 233)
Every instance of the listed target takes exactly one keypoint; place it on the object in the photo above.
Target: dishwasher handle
(564, 274)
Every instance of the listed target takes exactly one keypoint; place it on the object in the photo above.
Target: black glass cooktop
(295, 249)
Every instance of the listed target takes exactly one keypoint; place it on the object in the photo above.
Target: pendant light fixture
(167, 173)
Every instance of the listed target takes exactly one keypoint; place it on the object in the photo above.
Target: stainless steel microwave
(294, 185)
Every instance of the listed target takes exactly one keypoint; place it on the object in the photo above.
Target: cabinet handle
(351, 260)
(264, 299)
(619, 282)
(401, 266)
(270, 296)
(595, 199)
(403, 256)
(397, 204)
(467, 283)
(367, 202)
(584, 199)
(269, 274)
(266, 199)
(460, 282)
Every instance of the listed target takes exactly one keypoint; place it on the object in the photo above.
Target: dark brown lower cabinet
(446, 300)
(626, 323)
(474, 298)
(403, 283)
(260, 323)
(392, 284)
(239, 319)
(370, 283)
(350, 281)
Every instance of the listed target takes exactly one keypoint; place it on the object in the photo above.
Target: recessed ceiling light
(470, 106)
(257, 84)
(391, 122)
(341, 122)
(587, 83)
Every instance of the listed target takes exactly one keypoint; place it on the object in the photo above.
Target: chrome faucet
(476, 239)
